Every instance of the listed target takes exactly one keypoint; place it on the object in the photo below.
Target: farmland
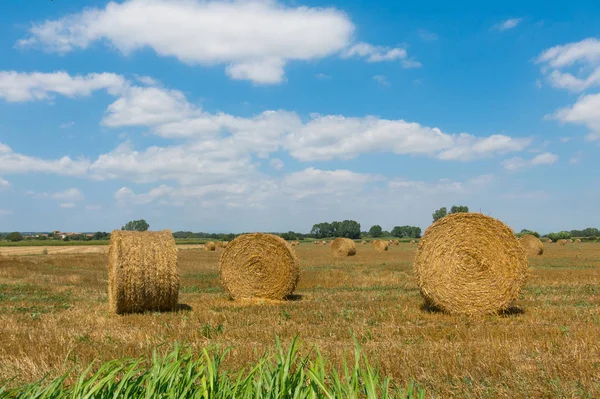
(54, 317)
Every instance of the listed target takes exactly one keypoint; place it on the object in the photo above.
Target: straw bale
(469, 263)
(562, 242)
(532, 245)
(578, 241)
(259, 266)
(413, 242)
(224, 244)
(396, 242)
(343, 247)
(218, 245)
(380, 245)
(142, 271)
(363, 242)
(210, 246)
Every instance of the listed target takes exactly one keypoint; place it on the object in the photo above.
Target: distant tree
(136, 225)
(563, 235)
(375, 231)
(406, 232)
(100, 235)
(346, 228)
(458, 209)
(289, 236)
(440, 213)
(14, 237)
(525, 232)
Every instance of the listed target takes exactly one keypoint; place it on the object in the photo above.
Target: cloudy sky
(265, 115)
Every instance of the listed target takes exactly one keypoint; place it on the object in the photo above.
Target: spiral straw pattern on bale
(259, 266)
(142, 272)
(532, 245)
(343, 247)
(469, 263)
(210, 246)
(380, 245)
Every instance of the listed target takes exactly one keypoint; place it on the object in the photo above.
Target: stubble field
(54, 317)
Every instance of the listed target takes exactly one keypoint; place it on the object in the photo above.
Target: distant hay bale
(363, 242)
(324, 242)
(550, 241)
(469, 263)
(259, 266)
(224, 244)
(570, 241)
(578, 241)
(343, 247)
(396, 242)
(218, 244)
(210, 246)
(380, 245)
(413, 242)
(562, 242)
(316, 242)
(532, 245)
(142, 271)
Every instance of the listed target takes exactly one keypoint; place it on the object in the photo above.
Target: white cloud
(323, 76)
(254, 38)
(375, 53)
(586, 111)
(427, 35)
(4, 185)
(67, 205)
(69, 195)
(126, 196)
(12, 162)
(276, 164)
(20, 87)
(67, 125)
(508, 24)
(382, 80)
(515, 163)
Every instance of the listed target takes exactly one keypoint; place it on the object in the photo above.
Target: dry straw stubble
(142, 271)
(469, 263)
(343, 247)
(532, 245)
(259, 266)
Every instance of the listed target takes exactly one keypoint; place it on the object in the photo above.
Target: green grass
(183, 374)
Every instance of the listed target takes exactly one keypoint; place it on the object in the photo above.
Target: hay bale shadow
(294, 297)
(182, 307)
(430, 308)
(512, 311)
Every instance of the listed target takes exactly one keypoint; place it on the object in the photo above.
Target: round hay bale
(469, 263)
(380, 245)
(316, 242)
(578, 241)
(324, 242)
(396, 242)
(142, 271)
(363, 242)
(570, 241)
(532, 245)
(562, 242)
(413, 242)
(218, 244)
(550, 241)
(210, 246)
(224, 244)
(343, 247)
(259, 266)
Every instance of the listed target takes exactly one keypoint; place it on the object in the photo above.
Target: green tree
(525, 232)
(14, 237)
(458, 209)
(136, 225)
(563, 235)
(289, 236)
(406, 232)
(375, 231)
(440, 213)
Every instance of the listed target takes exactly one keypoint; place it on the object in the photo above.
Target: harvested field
(54, 317)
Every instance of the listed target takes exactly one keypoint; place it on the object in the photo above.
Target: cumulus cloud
(585, 111)
(70, 195)
(508, 24)
(13, 162)
(4, 184)
(22, 86)
(276, 164)
(515, 163)
(254, 39)
(382, 80)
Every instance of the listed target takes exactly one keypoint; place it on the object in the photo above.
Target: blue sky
(273, 116)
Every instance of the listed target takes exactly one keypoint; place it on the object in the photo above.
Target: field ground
(53, 317)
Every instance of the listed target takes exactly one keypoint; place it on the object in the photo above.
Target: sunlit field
(54, 318)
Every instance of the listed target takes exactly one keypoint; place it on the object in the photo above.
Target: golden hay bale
(570, 241)
(324, 242)
(562, 242)
(218, 244)
(578, 241)
(259, 266)
(532, 245)
(142, 271)
(224, 244)
(396, 242)
(380, 245)
(363, 242)
(550, 241)
(316, 242)
(210, 246)
(413, 242)
(343, 247)
(469, 263)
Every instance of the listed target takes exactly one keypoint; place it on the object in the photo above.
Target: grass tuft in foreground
(183, 374)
